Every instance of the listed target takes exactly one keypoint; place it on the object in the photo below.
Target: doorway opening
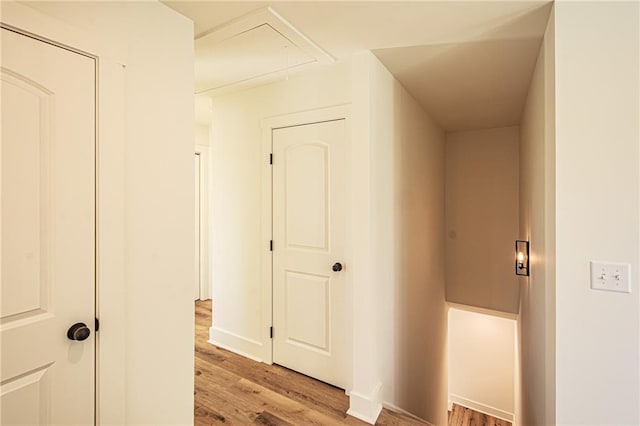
(446, 134)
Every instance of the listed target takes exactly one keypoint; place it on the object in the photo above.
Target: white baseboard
(365, 407)
(392, 407)
(232, 342)
(481, 408)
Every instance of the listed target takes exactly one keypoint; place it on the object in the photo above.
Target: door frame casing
(268, 125)
(110, 58)
(205, 264)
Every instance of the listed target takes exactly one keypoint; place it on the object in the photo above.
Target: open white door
(47, 234)
(309, 236)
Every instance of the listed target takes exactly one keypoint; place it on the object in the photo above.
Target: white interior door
(47, 234)
(198, 264)
(309, 221)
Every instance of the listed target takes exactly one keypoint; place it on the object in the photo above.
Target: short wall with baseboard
(482, 359)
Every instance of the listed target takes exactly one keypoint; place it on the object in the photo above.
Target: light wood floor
(463, 416)
(231, 389)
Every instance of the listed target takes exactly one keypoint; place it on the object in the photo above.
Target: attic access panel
(253, 49)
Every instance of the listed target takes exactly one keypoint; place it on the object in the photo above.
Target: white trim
(268, 124)
(205, 262)
(481, 408)
(45, 27)
(264, 16)
(110, 153)
(392, 407)
(335, 112)
(241, 345)
(266, 274)
(268, 15)
(366, 407)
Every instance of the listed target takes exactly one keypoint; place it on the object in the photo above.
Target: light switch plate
(611, 276)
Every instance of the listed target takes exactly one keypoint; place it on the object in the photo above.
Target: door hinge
(270, 158)
(271, 332)
(97, 325)
(270, 245)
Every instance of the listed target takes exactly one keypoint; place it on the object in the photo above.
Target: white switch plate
(611, 276)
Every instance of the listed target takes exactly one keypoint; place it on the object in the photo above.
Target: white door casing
(202, 232)
(47, 233)
(309, 238)
(198, 229)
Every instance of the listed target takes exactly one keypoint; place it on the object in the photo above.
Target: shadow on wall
(410, 219)
(419, 226)
(475, 82)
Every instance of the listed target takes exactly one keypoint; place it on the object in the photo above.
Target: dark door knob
(78, 331)
(337, 267)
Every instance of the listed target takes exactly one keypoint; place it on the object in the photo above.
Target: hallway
(231, 389)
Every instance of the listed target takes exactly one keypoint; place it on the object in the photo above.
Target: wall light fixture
(522, 258)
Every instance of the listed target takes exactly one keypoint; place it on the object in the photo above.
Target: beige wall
(482, 362)
(482, 218)
(407, 180)
(202, 135)
(236, 208)
(399, 313)
(597, 55)
(145, 206)
(537, 224)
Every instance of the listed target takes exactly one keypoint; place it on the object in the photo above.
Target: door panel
(307, 303)
(309, 221)
(24, 400)
(24, 189)
(47, 233)
(306, 194)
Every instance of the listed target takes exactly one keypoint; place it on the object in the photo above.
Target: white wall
(150, 215)
(597, 195)
(482, 362)
(407, 231)
(482, 218)
(236, 210)
(537, 224)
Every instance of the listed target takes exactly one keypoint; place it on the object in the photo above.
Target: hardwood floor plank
(222, 377)
(232, 410)
(463, 416)
(266, 418)
(284, 407)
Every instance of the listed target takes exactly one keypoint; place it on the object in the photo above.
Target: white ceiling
(468, 63)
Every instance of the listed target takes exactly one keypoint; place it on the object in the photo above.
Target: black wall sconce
(522, 258)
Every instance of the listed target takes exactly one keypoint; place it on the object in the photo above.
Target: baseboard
(365, 407)
(237, 344)
(481, 408)
(392, 407)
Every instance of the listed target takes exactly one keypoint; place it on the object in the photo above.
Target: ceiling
(468, 63)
